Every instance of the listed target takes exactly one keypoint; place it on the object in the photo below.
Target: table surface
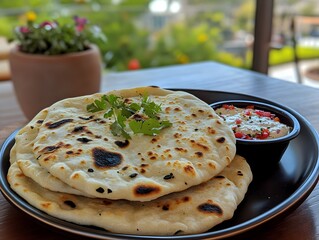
(303, 223)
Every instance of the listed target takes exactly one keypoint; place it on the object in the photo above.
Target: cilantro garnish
(150, 126)
(121, 112)
(118, 126)
(98, 105)
(150, 108)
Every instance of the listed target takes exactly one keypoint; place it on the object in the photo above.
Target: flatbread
(29, 165)
(194, 149)
(194, 210)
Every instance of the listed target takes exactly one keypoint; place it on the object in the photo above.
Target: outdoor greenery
(138, 39)
(286, 54)
(54, 38)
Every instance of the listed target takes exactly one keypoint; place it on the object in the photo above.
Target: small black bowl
(264, 154)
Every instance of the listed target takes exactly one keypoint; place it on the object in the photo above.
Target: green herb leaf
(113, 101)
(121, 120)
(116, 107)
(135, 107)
(98, 105)
(118, 130)
(118, 127)
(127, 112)
(165, 124)
(149, 127)
(151, 109)
(109, 113)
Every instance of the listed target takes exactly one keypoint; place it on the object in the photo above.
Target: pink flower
(24, 29)
(80, 23)
(47, 24)
(79, 28)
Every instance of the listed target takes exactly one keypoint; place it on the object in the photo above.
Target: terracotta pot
(40, 80)
(312, 73)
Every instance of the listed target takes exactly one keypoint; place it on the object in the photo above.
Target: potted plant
(312, 72)
(53, 61)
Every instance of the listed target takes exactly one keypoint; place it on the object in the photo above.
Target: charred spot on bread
(100, 190)
(70, 203)
(58, 123)
(125, 168)
(210, 208)
(84, 140)
(219, 176)
(146, 190)
(221, 140)
(122, 144)
(138, 117)
(105, 159)
(133, 175)
(50, 149)
(168, 176)
(165, 207)
(186, 199)
(189, 170)
(86, 118)
(153, 140)
(79, 129)
(199, 154)
(211, 130)
(46, 205)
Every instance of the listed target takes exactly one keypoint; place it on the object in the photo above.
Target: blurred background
(153, 33)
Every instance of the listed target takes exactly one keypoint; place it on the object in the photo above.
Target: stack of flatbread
(183, 180)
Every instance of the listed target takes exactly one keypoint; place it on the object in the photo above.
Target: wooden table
(303, 223)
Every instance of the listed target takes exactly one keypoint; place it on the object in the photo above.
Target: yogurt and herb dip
(251, 123)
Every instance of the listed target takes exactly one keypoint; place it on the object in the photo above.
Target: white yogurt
(250, 123)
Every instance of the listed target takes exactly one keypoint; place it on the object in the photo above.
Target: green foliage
(23, 3)
(245, 15)
(53, 38)
(107, 2)
(199, 38)
(286, 54)
(230, 59)
(124, 40)
(181, 43)
(6, 25)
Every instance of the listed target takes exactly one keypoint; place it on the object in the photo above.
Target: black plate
(269, 196)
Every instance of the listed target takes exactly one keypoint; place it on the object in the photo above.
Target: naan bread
(29, 165)
(194, 210)
(78, 147)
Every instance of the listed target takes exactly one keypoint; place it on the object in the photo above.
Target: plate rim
(296, 198)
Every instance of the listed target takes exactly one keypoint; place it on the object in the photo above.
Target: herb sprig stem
(121, 111)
